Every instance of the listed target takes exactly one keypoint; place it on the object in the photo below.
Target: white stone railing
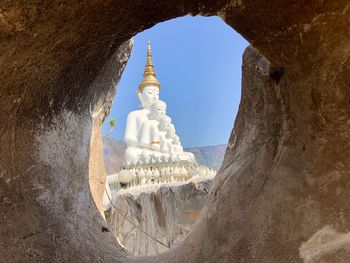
(154, 175)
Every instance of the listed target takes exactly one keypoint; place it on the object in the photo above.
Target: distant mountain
(210, 156)
(113, 154)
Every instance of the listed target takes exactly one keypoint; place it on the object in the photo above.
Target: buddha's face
(164, 123)
(161, 110)
(158, 110)
(148, 96)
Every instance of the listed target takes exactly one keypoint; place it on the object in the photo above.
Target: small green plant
(111, 123)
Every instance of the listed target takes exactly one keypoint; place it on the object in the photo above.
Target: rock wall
(285, 176)
(166, 215)
(52, 179)
(281, 193)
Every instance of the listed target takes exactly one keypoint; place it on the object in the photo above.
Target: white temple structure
(154, 153)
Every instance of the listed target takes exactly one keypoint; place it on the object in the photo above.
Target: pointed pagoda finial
(149, 76)
(149, 52)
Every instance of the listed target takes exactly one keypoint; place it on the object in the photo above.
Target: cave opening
(198, 61)
(282, 193)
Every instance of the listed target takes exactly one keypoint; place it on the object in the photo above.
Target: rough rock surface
(285, 175)
(326, 246)
(166, 214)
(52, 178)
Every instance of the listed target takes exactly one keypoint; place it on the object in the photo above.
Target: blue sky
(198, 63)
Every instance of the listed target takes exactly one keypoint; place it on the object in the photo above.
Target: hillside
(210, 156)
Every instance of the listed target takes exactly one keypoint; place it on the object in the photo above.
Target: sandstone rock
(63, 183)
(167, 215)
(286, 171)
(326, 246)
(275, 188)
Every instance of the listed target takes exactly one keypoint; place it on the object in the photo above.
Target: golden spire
(149, 76)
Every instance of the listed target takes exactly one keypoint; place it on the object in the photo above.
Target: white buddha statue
(148, 93)
(149, 131)
(166, 144)
(149, 135)
(154, 152)
(171, 135)
(177, 147)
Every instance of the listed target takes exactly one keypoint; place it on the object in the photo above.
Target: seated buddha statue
(165, 143)
(149, 135)
(149, 131)
(177, 147)
(171, 135)
(148, 93)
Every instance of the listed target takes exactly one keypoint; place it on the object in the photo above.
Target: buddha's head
(171, 132)
(176, 139)
(147, 96)
(164, 123)
(158, 110)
